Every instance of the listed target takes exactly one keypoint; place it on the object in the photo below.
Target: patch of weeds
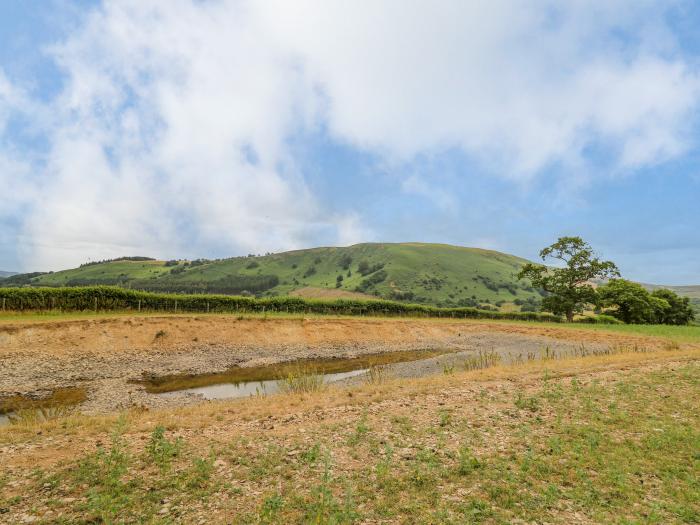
(263, 465)
(383, 467)
(475, 510)
(161, 450)
(159, 335)
(423, 473)
(270, 508)
(109, 494)
(312, 455)
(403, 424)
(324, 507)
(527, 403)
(200, 473)
(360, 432)
(466, 461)
(553, 391)
(445, 418)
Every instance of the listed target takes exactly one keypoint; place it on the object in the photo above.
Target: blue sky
(217, 128)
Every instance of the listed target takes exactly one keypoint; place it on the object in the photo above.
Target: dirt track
(102, 355)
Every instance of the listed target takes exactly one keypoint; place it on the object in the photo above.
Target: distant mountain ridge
(4, 274)
(438, 274)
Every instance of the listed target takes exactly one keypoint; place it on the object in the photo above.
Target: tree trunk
(569, 317)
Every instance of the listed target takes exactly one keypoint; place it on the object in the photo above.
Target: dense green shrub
(106, 298)
(370, 281)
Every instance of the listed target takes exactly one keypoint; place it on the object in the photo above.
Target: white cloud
(520, 84)
(170, 135)
(169, 138)
(351, 230)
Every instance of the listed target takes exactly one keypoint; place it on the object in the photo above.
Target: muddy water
(57, 403)
(244, 382)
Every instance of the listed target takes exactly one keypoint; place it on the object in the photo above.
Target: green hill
(436, 274)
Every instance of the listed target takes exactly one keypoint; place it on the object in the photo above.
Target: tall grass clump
(484, 359)
(301, 380)
(377, 374)
(31, 416)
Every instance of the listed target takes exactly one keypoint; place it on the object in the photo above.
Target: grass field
(603, 439)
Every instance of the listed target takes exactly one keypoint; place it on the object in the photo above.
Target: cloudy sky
(212, 128)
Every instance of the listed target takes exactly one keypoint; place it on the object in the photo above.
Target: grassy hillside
(428, 273)
(689, 291)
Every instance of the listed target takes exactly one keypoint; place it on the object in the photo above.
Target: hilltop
(437, 274)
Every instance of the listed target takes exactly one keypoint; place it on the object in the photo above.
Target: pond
(246, 381)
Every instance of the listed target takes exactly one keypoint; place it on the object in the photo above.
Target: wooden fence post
(139, 305)
(95, 304)
(3, 304)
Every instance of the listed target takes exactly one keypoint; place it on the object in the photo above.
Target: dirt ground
(292, 424)
(104, 355)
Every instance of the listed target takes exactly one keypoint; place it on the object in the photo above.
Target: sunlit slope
(431, 273)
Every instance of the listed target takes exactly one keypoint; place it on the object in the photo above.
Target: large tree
(631, 303)
(569, 287)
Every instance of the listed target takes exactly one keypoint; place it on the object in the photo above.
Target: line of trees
(570, 290)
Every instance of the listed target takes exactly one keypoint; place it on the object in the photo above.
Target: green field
(436, 274)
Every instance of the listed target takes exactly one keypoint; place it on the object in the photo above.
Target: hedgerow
(111, 298)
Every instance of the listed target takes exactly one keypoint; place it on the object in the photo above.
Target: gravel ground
(88, 358)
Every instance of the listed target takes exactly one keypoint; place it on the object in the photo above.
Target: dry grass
(595, 439)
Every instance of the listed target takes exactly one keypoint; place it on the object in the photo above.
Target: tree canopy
(568, 288)
(631, 303)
